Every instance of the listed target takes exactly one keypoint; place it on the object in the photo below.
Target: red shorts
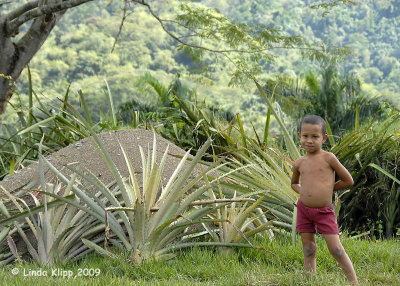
(312, 220)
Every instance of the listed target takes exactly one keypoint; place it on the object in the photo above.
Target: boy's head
(312, 133)
(315, 120)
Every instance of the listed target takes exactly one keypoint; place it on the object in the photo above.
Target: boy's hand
(296, 177)
(296, 188)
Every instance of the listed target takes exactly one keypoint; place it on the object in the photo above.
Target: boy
(316, 171)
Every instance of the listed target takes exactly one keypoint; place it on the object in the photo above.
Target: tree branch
(40, 11)
(124, 15)
(204, 34)
(267, 46)
(33, 39)
(21, 10)
(176, 38)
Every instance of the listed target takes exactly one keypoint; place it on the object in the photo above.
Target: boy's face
(311, 137)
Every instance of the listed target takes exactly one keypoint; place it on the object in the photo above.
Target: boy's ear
(298, 134)
(324, 138)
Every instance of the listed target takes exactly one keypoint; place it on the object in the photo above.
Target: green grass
(376, 263)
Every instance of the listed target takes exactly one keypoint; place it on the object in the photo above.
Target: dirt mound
(86, 154)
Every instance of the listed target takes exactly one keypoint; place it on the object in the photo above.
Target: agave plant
(6, 256)
(56, 230)
(58, 227)
(264, 173)
(147, 222)
(291, 148)
(260, 172)
(238, 221)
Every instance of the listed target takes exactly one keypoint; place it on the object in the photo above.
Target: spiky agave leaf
(57, 227)
(71, 227)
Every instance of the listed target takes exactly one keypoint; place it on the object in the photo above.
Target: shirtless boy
(314, 179)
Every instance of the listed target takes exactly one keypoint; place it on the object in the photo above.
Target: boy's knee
(310, 249)
(337, 252)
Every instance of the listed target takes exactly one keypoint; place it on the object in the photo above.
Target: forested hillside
(370, 29)
(227, 81)
(78, 51)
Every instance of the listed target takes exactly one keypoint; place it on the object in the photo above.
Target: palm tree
(329, 95)
(148, 106)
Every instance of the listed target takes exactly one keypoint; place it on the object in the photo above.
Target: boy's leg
(309, 251)
(336, 249)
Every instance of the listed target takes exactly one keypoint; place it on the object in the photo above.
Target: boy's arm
(296, 177)
(345, 178)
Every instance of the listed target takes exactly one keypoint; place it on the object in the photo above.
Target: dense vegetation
(255, 171)
(243, 191)
(79, 51)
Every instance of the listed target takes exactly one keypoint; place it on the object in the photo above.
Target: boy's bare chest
(315, 168)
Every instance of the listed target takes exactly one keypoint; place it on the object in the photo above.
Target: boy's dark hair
(314, 119)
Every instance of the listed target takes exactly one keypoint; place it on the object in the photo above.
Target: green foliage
(156, 223)
(331, 4)
(266, 171)
(78, 51)
(245, 47)
(329, 95)
(177, 115)
(19, 137)
(239, 222)
(132, 208)
(151, 221)
(371, 153)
